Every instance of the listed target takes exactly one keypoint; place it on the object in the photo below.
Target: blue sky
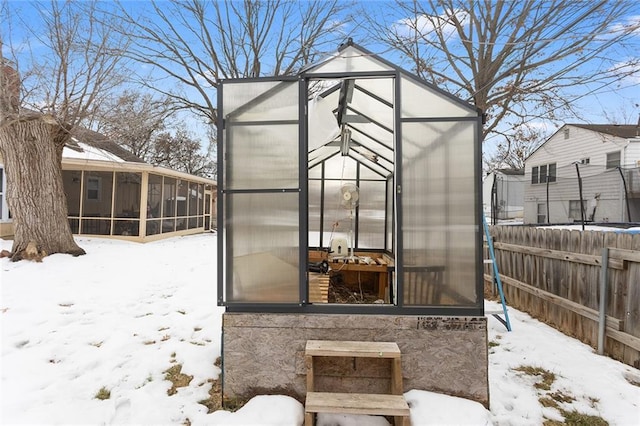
(619, 102)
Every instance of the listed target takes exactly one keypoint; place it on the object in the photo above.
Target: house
(112, 193)
(367, 167)
(585, 172)
(503, 195)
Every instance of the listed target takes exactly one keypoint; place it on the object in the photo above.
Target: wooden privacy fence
(556, 274)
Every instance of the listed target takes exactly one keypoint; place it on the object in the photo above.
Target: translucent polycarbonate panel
(261, 156)
(315, 208)
(339, 222)
(366, 173)
(371, 215)
(367, 104)
(366, 163)
(382, 88)
(350, 60)
(377, 134)
(390, 214)
(439, 223)
(321, 154)
(262, 245)
(323, 126)
(340, 167)
(260, 101)
(315, 172)
(374, 139)
(418, 100)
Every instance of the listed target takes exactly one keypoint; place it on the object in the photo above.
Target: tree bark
(32, 151)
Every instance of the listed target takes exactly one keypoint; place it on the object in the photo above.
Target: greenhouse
(349, 204)
(359, 164)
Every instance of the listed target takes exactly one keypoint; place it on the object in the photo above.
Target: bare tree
(182, 152)
(517, 61)
(145, 126)
(195, 43)
(134, 120)
(514, 148)
(71, 66)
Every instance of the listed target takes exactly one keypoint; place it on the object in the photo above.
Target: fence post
(602, 318)
(580, 190)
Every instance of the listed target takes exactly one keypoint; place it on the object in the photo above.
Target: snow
(120, 316)
(90, 153)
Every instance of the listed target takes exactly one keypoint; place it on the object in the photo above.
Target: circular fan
(349, 195)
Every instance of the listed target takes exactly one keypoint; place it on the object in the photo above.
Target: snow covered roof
(89, 145)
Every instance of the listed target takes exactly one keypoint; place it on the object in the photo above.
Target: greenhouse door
(259, 191)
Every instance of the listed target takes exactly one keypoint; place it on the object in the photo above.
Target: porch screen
(261, 192)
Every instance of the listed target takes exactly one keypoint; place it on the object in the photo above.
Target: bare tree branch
(196, 43)
(516, 61)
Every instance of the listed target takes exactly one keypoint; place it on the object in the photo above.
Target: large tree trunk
(32, 152)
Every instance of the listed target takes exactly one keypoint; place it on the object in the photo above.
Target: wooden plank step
(318, 288)
(352, 349)
(356, 403)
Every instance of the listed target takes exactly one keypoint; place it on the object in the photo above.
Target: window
(574, 209)
(551, 172)
(544, 173)
(542, 213)
(613, 160)
(93, 188)
(585, 160)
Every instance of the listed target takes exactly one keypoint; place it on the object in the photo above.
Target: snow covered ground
(116, 319)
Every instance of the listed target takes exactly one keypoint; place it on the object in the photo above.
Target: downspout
(580, 190)
(548, 209)
(626, 194)
(494, 200)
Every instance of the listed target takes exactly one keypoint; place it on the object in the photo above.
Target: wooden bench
(392, 404)
(356, 403)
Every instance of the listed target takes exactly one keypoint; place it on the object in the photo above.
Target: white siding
(632, 158)
(581, 144)
(510, 193)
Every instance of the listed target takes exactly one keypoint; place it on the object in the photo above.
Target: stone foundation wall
(264, 353)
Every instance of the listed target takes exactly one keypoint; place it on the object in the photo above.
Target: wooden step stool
(392, 404)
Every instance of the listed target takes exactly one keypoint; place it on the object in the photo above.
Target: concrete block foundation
(264, 353)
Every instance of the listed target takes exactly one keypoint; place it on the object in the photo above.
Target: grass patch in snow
(633, 379)
(214, 401)
(177, 378)
(577, 419)
(103, 394)
(547, 377)
(561, 397)
(554, 399)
